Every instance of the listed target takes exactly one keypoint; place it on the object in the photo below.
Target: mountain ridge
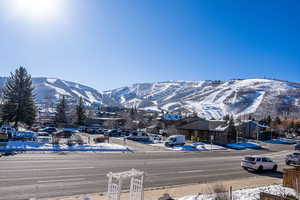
(209, 98)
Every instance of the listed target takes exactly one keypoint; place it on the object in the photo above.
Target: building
(206, 131)
(255, 130)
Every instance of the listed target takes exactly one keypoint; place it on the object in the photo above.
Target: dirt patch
(184, 190)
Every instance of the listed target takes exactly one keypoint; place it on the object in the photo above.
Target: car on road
(259, 164)
(293, 159)
(297, 147)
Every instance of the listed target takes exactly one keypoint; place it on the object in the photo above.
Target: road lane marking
(45, 169)
(62, 180)
(49, 177)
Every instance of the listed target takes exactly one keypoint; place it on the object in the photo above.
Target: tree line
(18, 103)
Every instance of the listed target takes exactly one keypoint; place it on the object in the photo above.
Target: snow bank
(40, 146)
(247, 194)
(244, 145)
(281, 141)
(199, 146)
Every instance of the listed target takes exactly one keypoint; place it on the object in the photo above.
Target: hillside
(210, 99)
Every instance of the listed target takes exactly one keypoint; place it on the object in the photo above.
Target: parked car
(100, 131)
(156, 138)
(8, 130)
(82, 129)
(125, 133)
(112, 133)
(259, 164)
(138, 136)
(49, 130)
(175, 140)
(297, 147)
(43, 134)
(293, 159)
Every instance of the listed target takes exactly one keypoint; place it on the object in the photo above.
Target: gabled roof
(205, 125)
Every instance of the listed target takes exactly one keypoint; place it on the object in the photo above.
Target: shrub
(220, 192)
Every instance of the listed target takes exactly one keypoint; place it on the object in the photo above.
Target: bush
(220, 192)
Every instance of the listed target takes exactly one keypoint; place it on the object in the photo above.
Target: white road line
(49, 177)
(62, 180)
(45, 169)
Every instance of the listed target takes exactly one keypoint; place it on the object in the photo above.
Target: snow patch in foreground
(247, 194)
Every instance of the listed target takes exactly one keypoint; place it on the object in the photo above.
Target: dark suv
(293, 159)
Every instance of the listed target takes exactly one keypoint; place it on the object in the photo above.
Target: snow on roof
(221, 128)
(260, 125)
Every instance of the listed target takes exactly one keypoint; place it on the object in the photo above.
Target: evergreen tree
(61, 111)
(232, 133)
(226, 117)
(291, 126)
(18, 99)
(250, 117)
(277, 121)
(80, 112)
(269, 120)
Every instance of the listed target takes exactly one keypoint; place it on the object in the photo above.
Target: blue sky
(112, 43)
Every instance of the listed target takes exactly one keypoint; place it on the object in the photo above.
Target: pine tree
(277, 121)
(61, 111)
(226, 117)
(80, 112)
(232, 133)
(269, 120)
(250, 117)
(18, 99)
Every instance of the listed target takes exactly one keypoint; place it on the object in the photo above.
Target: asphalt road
(26, 176)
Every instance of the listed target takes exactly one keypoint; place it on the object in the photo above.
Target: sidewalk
(180, 191)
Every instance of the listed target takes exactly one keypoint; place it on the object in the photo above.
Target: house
(206, 130)
(254, 130)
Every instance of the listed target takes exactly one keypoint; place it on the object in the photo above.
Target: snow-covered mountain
(51, 89)
(213, 99)
(210, 99)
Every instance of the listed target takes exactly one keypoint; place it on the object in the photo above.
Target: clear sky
(112, 43)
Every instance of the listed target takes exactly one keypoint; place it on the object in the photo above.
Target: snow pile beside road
(40, 146)
(247, 194)
(208, 147)
(198, 146)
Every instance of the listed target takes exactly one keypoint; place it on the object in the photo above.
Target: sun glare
(38, 9)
